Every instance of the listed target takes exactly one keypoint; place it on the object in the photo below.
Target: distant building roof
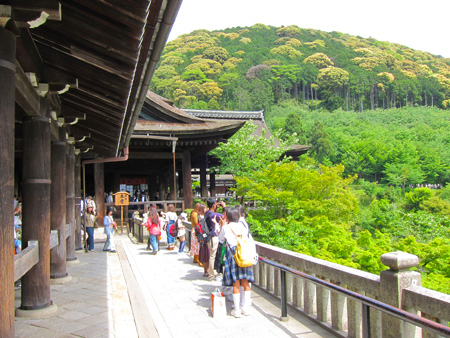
(258, 119)
(222, 114)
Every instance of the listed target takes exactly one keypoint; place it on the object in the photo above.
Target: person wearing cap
(181, 231)
(89, 221)
(109, 224)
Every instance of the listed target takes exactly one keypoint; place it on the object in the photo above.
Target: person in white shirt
(233, 274)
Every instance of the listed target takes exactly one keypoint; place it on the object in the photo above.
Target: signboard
(122, 198)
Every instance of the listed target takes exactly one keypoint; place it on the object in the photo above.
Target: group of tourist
(216, 254)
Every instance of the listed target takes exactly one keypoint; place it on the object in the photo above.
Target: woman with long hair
(154, 228)
(195, 245)
(203, 255)
(109, 224)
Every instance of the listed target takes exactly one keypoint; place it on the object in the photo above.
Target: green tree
(293, 124)
(245, 153)
(320, 142)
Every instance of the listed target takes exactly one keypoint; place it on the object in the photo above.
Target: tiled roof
(223, 114)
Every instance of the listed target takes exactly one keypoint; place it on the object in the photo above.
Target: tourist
(154, 229)
(233, 274)
(109, 224)
(109, 198)
(195, 246)
(214, 242)
(181, 231)
(203, 255)
(17, 226)
(89, 221)
(170, 217)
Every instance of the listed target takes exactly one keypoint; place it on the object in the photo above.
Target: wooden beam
(28, 56)
(26, 96)
(71, 113)
(157, 156)
(54, 76)
(26, 259)
(51, 7)
(54, 240)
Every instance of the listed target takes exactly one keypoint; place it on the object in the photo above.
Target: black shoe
(112, 251)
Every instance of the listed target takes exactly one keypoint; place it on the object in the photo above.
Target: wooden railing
(343, 315)
(29, 257)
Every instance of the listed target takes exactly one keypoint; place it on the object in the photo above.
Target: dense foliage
(399, 147)
(322, 213)
(253, 68)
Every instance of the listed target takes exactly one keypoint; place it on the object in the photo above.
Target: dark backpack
(173, 228)
(202, 231)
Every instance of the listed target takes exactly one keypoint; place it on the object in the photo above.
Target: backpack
(173, 228)
(202, 231)
(245, 254)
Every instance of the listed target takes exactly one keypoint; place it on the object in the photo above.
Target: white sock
(236, 300)
(241, 292)
(247, 302)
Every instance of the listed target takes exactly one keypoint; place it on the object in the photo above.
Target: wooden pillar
(78, 239)
(212, 183)
(187, 180)
(203, 182)
(172, 183)
(152, 187)
(7, 116)
(70, 201)
(58, 208)
(36, 210)
(161, 186)
(99, 182)
(116, 182)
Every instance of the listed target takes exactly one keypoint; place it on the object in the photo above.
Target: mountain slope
(250, 68)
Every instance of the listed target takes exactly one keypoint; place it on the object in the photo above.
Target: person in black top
(213, 244)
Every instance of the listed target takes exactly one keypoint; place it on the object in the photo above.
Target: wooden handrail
(26, 259)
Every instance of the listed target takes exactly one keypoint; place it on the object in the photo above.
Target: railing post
(392, 283)
(322, 302)
(284, 317)
(297, 292)
(365, 321)
(354, 315)
(309, 296)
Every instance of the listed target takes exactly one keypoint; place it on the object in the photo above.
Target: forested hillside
(257, 67)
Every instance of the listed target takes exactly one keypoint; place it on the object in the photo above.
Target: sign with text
(122, 198)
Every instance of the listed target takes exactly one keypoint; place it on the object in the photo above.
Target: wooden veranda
(74, 76)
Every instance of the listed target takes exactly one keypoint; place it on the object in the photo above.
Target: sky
(418, 24)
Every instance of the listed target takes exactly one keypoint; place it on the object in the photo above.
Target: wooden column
(99, 182)
(70, 201)
(116, 182)
(161, 186)
(7, 99)
(58, 208)
(187, 180)
(203, 181)
(78, 239)
(172, 183)
(212, 183)
(36, 210)
(152, 187)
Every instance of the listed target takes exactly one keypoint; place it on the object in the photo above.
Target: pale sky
(418, 24)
